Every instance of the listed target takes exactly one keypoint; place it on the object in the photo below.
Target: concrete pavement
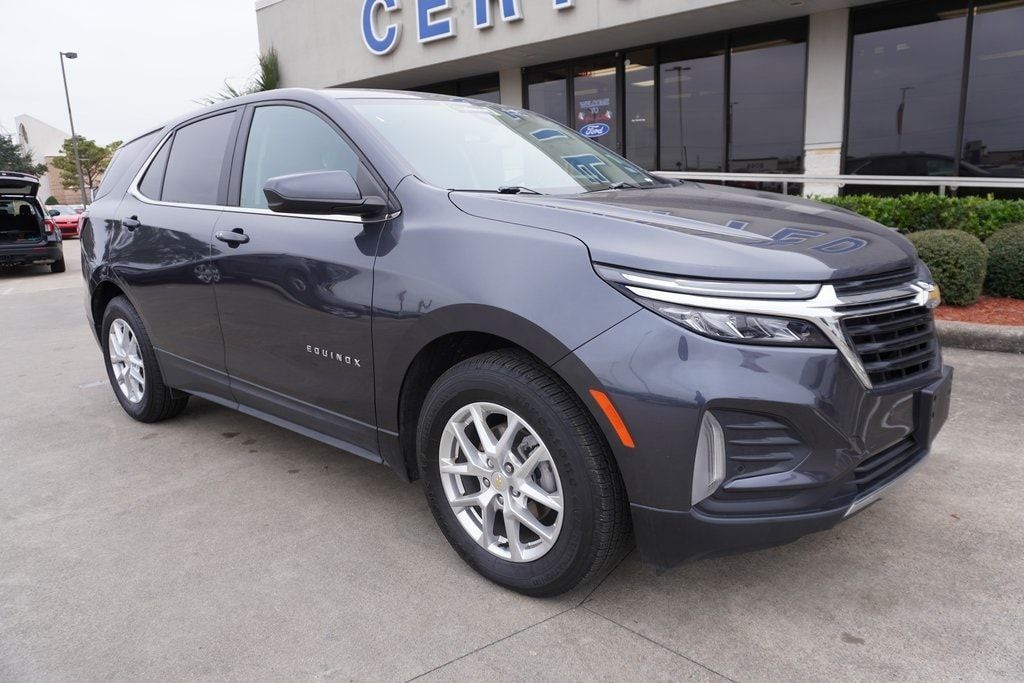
(218, 546)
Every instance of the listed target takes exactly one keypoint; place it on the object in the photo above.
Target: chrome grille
(875, 283)
(894, 345)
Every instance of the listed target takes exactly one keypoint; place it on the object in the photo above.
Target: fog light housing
(709, 459)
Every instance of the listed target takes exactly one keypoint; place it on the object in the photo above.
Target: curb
(980, 337)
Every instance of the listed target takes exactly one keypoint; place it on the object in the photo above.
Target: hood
(708, 231)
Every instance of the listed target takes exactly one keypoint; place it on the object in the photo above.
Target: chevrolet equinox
(571, 353)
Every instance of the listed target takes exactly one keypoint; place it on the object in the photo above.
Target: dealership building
(924, 88)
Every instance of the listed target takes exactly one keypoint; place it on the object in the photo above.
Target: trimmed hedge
(957, 261)
(1006, 262)
(979, 216)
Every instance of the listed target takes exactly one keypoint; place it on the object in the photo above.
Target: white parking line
(92, 385)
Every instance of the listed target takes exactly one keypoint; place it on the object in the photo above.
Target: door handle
(233, 238)
(131, 223)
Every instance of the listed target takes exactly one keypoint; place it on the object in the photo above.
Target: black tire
(58, 266)
(595, 528)
(159, 402)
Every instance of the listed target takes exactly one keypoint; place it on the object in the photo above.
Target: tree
(51, 201)
(12, 158)
(94, 161)
(267, 77)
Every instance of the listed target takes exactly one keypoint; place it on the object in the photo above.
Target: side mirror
(320, 193)
(53, 212)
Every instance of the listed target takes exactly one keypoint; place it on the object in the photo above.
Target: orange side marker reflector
(613, 417)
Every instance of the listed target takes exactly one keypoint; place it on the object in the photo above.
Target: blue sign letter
(509, 12)
(428, 29)
(563, 4)
(375, 43)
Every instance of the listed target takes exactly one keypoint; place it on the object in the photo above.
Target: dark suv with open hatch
(569, 351)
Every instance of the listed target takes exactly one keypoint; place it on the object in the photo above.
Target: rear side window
(284, 140)
(153, 182)
(196, 160)
(121, 162)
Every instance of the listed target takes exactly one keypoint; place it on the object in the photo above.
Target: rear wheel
(58, 266)
(518, 477)
(132, 368)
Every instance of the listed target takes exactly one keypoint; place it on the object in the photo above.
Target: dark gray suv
(571, 352)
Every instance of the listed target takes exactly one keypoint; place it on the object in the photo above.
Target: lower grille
(895, 345)
(883, 467)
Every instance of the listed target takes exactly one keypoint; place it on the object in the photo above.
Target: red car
(66, 218)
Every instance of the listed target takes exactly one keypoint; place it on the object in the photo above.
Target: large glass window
(486, 87)
(993, 139)
(766, 100)
(284, 140)
(676, 110)
(906, 77)
(196, 161)
(640, 115)
(595, 101)
(692, 107)
(547, 92)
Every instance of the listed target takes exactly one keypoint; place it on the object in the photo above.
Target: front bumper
(808, 445)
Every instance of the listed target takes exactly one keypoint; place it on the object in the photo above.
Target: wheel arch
(442, 343)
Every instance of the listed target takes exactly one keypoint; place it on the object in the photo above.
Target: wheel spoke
(468, 449)
(488, 516)
(482, 430)
(515, 547)
(504, 445)
(463, 469)
(526, 518)
(536, 457)
(469, 500)
(535, 492)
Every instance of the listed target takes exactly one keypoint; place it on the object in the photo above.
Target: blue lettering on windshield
(587, 166)
(548, 134)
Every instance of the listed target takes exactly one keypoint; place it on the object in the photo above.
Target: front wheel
(518, 477)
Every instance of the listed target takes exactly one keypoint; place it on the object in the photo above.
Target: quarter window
(284, 140)
(196, 160)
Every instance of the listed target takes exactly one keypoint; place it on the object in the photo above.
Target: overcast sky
(140, 62)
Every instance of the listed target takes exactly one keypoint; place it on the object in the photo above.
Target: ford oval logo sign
(595, 130)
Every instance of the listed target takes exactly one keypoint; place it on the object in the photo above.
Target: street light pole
(682, 131)
(71, 120)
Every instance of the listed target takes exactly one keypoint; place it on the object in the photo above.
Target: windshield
(469, 145)
(61, 210)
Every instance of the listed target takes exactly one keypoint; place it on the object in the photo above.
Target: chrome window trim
(133, 189)
(827, 310)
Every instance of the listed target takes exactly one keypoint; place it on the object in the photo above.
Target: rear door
(294, 299)
(160, 250)
(21, 217)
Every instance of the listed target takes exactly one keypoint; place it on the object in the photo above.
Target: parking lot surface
(219, 546)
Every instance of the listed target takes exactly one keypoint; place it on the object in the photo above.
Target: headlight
(725, 325)
(741, 327)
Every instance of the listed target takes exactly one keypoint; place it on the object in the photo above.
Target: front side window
(195, 161)
(285, 140)
(466, 146)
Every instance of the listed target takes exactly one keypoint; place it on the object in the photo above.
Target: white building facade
(815, 87)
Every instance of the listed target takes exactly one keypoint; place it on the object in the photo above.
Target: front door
(295, 295)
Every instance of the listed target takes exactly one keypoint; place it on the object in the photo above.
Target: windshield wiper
(516, 189)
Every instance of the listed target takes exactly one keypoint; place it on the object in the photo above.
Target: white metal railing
(941, 182)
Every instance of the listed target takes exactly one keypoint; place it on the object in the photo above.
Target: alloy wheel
(126, 360)
(501, 482)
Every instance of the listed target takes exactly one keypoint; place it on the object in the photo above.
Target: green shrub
(957, 261)
(1006, 262)
(51, 201)
(979, 216)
